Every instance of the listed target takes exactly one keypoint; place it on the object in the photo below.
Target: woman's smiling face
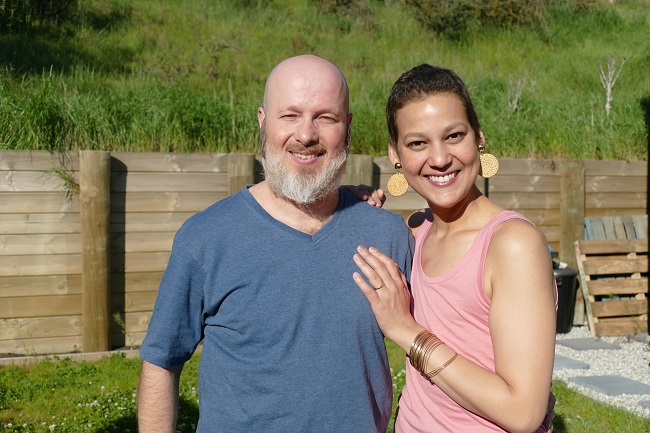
(438, 148)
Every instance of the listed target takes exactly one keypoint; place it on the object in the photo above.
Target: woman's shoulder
(517, 235)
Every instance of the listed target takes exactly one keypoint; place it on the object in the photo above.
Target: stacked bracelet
(430, 375)
(421, 349)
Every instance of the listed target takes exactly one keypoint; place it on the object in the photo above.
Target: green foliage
(49, 116)
(188, 76)
(455, 18)
(17, 15)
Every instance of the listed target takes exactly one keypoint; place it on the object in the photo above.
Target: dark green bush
(18, 15)
(453, 18)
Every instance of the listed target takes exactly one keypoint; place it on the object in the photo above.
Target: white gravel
(632, 361)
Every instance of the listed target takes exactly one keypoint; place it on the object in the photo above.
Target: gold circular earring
(397, 184)
(489, 163)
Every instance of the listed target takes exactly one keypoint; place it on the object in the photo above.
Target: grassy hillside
(188, 76)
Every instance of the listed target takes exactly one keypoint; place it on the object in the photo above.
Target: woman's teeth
(443, 179)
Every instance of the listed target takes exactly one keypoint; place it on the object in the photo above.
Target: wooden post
(94, 188)
(572, 209)
(572, 215)
(241, 171)
(359, 169)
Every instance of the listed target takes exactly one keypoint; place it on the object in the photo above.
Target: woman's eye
(414, 143)
(456, 136)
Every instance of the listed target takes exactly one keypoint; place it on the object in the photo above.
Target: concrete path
(601, 367)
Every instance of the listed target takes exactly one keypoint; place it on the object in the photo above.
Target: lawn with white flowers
(60, 395)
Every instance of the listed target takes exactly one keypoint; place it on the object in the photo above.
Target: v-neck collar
(320, 234)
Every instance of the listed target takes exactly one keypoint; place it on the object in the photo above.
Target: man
(264, 279)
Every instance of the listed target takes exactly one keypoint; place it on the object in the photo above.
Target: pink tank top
(456, 307)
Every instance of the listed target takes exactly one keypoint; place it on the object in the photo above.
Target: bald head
(304, 129)
(307, 72)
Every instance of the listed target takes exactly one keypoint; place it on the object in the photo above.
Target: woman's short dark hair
(423, 81)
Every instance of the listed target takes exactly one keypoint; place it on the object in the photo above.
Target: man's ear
(260, 116)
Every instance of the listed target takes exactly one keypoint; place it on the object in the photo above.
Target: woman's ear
(392, 154)
(481, 138)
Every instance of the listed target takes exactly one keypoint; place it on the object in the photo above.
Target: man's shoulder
(221, 214)
(370, 217)
(355, 204)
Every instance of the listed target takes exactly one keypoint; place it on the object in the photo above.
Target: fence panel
(152, 194)
(40, 254)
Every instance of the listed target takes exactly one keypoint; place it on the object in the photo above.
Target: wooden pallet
(617, 227)
(614, 282)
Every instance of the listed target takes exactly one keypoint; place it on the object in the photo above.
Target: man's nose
(307, 132)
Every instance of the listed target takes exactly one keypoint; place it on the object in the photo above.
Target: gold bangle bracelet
(424, 344)
(432, 374)
(415, 346)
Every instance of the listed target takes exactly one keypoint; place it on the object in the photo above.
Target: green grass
(142, 75)
(66, 396)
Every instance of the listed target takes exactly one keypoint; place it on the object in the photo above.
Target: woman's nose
(439, 156)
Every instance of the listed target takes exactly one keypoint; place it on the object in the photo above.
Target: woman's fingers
(381, 263)
(377, 196)
(391, 304)
(369, 271)
(366, 288)
(374, 197)
(380, 271)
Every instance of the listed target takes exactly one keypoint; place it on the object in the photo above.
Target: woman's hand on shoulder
(387, 292)
(373, 196)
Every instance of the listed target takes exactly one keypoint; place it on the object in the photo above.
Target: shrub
(453, 18)
(21, 14)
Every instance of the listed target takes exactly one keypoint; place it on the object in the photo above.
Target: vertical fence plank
(241, 171)
(358, 169)
(94, 188)
(572, 215)
(572, 208)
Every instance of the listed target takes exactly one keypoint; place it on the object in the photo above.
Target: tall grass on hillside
(47, 114)
(188, 76)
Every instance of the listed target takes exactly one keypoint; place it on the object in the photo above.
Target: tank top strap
(485, 235)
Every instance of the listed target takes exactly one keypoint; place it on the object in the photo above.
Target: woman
(481, 336)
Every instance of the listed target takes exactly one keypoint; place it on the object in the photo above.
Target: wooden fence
(84, 238)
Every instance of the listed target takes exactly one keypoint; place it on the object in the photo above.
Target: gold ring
(377, 288)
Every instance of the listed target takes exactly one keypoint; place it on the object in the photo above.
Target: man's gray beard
(307, 187)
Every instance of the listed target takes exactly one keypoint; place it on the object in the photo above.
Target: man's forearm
(157, 403)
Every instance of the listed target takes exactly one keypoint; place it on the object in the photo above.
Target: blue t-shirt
(290, 343)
